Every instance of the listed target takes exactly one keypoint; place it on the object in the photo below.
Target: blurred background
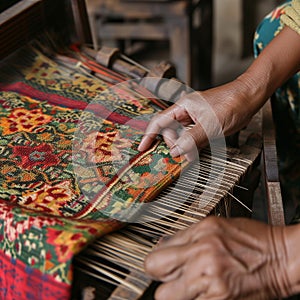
(208, 41)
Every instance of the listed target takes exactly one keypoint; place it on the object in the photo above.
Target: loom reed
(175, 208)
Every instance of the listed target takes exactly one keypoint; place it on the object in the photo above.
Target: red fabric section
(29, 91)
(20, 282)
(98, 109)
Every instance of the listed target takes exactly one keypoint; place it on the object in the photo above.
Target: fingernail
(141, 146)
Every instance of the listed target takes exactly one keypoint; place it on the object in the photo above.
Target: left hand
(198, 117)
(221, 258)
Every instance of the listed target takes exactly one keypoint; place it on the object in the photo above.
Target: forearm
(232, 105)
(276, 64)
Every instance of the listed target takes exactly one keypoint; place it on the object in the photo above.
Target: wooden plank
(15, 10)
(275, 213)
(116, 8)
(132, 30)
(271, 174)
(27, 19)
(19, 24)
(81, 21)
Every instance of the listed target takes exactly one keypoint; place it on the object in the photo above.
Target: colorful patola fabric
(69, 168)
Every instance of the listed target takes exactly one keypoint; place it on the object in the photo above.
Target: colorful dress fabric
(286, 109)
(69, 166)
(291, 16)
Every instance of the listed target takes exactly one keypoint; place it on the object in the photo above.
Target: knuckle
(213, 223)
(163, 293)
(149, 263)
(215, 262)
(186, 141)
(215, 243)
(156, 118)
(223, 288)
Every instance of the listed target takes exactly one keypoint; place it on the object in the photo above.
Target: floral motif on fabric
(36, 156)
(25, 120)
(65, 171)
(48, 198)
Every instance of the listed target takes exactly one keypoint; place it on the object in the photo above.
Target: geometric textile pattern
(69, 166)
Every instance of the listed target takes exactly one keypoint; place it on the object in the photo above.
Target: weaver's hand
(231, 105)
(214, 112)
(225, 259)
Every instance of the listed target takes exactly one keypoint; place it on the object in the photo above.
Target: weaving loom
(55, 243)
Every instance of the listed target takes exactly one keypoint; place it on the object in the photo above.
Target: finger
(189, 142)
(206, 227)
(173, 275)
(182, 237)
(191, 156)
(162, 263)
(170, 136)
(199, 136)
(183, 145)
(146, 142)
(183, 288)
(161, 121)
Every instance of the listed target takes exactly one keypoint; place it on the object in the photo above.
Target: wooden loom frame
(32, 16)
(271, 174)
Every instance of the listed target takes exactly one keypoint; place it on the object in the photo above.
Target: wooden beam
(272, 183)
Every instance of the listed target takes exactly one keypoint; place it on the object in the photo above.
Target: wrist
(283, 273)
(255, 91)
(292, 245)
(242, 96)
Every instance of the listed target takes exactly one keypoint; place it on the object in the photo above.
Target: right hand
(215, 112)
(220, 258)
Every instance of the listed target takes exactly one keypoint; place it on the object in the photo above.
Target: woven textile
(68, 164)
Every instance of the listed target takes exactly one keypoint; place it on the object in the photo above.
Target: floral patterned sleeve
(291, 16)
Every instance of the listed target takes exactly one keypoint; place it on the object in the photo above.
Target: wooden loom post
(272, 184)
(81, 22)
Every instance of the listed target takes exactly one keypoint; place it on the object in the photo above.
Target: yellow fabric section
(291, 16)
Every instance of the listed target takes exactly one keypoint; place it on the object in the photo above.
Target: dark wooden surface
(271, 174)
(186, 25)
(25, 20)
